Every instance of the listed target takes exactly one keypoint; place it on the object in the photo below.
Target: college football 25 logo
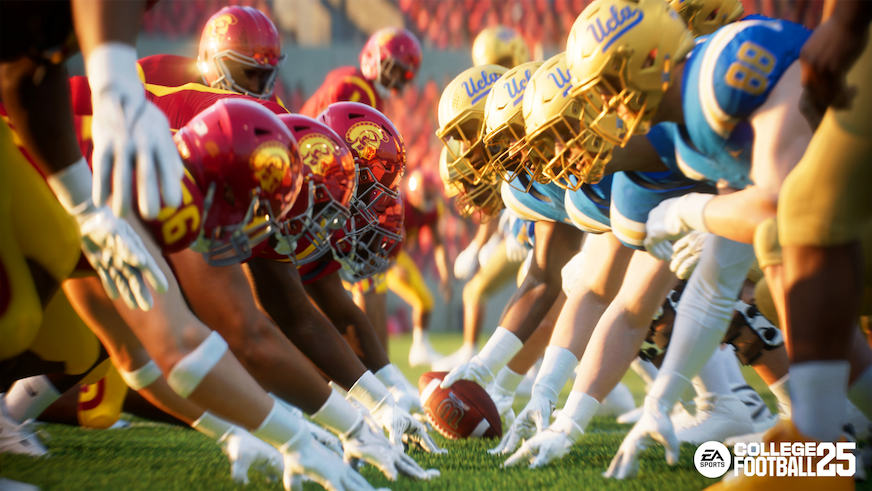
(365, 137)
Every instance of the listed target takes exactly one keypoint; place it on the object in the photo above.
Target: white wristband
(507, 380)
(72, 186)
(692, 210)
(502, 346)
(579, 409)
(142, 377)
(370, 392)
(281, 428)
(391, 377)
(211, 426)
(110, 64)
(668, 386)
(289, 407)
(337, 415)
(557, 366)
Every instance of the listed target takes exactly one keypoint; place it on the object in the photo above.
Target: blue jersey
(544, 202)
(588, 208)
(635, 194)
(728, 77)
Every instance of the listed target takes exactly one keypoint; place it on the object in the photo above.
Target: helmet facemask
(472, 160)
(317, 224)
(507, 144)
(232, 244)
(226, 81)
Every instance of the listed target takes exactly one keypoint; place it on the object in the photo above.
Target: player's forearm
(484, 232)
(353, 323)
(736, 216)
(103, 21)
(441, 257)
(851, 15)
(639, 156)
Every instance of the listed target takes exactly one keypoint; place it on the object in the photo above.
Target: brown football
(463, 410)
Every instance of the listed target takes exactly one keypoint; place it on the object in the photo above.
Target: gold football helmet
(482, 200)
(500, 45)
(707, 16)
(559, 141)
(461, 118)
(623, 52)
(504, 123)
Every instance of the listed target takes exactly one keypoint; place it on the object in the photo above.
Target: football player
(765, 101)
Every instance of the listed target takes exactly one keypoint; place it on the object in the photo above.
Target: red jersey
(174, 71)
(342, 85)
(415, 219)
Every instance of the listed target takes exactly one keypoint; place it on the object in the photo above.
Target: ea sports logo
(712, 459)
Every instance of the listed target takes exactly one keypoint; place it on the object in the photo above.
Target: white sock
(713, 376)
(860, 393)
(781, 390)
(645, 370)
(732, 369)
(29, 397)
(419, 335)
(507, 380)
(818, 390)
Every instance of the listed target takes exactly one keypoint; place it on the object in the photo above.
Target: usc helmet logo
(221, 24)
(270, 163)
(317, 152)
(365, 137)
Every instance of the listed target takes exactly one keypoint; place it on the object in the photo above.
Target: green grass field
(150, 456)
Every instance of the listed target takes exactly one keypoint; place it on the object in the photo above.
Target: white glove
(488, 249)
(109, 243)
(653, 427)
(687, 251)
(503, 400)
(500, 348)
(404, 393)
(466, 264)
(673, 219)
(323, 436)
(515, 250)
(534, 418)
(368, 444)
(373, 395)
(128, 130)
(539, 451)
(248, 452)
(305, 456)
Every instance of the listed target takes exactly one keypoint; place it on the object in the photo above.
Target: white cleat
(761, 416)
(717, 418)
(618, 402)
(422, 353)
(683, 414)
(862, 426)
(18, 438)
(757, 436)
(459, 357)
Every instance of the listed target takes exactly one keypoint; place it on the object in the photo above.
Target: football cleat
(761, 417)
(18, 438)
(717, 418)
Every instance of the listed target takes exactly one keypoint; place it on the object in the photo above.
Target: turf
(151, 456)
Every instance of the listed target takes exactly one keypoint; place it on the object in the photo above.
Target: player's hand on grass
(370, 445)
(130, 134)
(248, 452)
(401, 426)
(653, 427)
(671, 220)
(686, 253)
(544, 448)
(473, 370)
(305, 456)
(534, 418)
(325, 438)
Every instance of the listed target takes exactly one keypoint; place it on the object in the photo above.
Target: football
(464, 410)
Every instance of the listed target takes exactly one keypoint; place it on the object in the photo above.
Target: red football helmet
(246, 163)
(363, 255)
(378, 151)
(329, 184)
(247, 37)
(391, 57)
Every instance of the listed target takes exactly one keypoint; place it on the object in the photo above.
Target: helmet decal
(564, 81)
(365, 137)
(220, 25)
(479, 87)
(317, 151)
(618, 24)
(270, 163)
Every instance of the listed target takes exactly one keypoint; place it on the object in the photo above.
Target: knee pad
(186, 376)
(750, 333)
(101, 403)
(766, 245)
(655, 344)
(142, 377)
